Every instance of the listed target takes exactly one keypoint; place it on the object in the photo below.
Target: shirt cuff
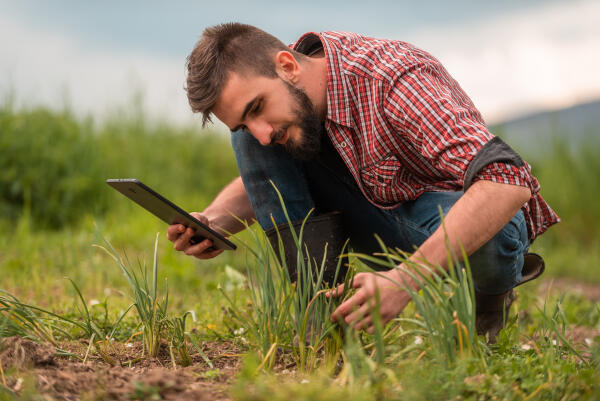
(494, 151)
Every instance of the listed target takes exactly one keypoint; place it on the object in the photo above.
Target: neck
(315, 83)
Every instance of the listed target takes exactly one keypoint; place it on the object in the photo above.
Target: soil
(562, 285)
(134, 378)
(67, 378)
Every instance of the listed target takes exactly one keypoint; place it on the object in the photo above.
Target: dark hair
(222, 49)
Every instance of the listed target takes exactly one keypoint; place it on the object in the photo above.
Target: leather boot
(492, 310)
(321, 230)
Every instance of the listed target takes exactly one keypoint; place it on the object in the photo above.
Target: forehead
(237, 92)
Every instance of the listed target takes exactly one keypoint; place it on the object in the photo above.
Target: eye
(257, 107)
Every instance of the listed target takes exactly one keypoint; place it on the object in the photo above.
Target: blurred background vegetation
(54, 203)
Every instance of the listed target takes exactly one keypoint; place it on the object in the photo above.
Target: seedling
(151, 310)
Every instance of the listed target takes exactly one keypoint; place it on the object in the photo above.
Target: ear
(287, 67)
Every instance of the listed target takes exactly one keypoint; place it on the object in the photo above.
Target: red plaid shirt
(404, 126)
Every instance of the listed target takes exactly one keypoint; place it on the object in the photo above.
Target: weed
(98, 337)
(151, 310)
(282, 309)
(178, 349)
(445, 304)
(178, 337)
(267, 320)
(29, 321)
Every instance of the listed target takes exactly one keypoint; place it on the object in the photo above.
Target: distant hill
(534, 132)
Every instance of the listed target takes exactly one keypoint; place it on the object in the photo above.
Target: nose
(261, 130)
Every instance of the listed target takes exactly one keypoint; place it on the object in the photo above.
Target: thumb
(200, 217)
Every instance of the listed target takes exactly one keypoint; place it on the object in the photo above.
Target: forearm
(231, 201)
(474, 219)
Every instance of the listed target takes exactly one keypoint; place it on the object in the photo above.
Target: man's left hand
(358, 309)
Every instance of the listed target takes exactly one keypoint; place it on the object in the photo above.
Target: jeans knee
(497, 265)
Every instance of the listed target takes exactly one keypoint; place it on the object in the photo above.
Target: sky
(512, 57)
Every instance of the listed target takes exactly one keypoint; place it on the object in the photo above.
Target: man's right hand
(180, 236)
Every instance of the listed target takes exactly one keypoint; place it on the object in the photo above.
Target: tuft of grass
(314, 330)
(178, 338)
(281, 310)
(32, 322)
(40, 325)
(178, 349)
(445, 303)
(152, 311)
(98, 337)
(271, 297)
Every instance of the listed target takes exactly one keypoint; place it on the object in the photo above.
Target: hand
(180, 236)
(357, 309)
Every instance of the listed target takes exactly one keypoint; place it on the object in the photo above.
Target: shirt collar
(338, 108)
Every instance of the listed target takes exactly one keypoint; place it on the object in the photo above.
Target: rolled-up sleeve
(427, 108)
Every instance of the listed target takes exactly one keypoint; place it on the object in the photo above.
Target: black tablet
(167, 211)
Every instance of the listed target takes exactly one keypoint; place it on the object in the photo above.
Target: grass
(429, 353)
(152, 311)
(286, 315)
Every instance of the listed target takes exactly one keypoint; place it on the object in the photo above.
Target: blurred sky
(512, 57)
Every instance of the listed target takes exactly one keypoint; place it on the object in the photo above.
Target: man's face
(273, 111)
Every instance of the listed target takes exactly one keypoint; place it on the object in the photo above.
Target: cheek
(295, 133)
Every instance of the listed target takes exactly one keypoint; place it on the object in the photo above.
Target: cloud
(48, 68)
(542, 58)
(536, 58)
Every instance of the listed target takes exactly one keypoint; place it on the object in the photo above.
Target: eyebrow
(246, 111)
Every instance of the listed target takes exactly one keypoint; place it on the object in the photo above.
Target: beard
(311, 128)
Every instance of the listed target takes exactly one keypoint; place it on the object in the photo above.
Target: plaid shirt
(404, 126)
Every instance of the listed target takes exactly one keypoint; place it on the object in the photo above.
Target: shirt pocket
(380, 179)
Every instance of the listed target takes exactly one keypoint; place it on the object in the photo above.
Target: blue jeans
(325, 184)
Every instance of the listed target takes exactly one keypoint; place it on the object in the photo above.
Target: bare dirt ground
(64, 378)
(67, 378)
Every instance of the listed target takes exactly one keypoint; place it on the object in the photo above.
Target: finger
(359, 280)
(198, 248)
(349, 305)
(209, 255)
(335, 292)
(174, 231)
(358, 314)
(364, 324)
(183, 242)
(371, 329)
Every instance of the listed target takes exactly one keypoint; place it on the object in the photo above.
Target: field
(94, 304)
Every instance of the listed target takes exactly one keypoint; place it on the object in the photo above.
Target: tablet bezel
(167, 211)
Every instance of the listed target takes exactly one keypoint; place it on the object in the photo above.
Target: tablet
(167, 211)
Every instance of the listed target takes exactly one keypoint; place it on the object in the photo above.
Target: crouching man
(376, 136)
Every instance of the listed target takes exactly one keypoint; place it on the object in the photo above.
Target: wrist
(404, 279)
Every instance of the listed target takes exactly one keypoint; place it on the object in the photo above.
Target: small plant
(151, 310)
(551, 331)
(282, 310)
(178, 347)
(39, 324)
(445, 304)
(97, 336)
(27, 321)
(271, 298)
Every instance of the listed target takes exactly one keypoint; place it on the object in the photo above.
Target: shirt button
(343, 145)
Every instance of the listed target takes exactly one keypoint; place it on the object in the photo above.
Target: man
(379, 131)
